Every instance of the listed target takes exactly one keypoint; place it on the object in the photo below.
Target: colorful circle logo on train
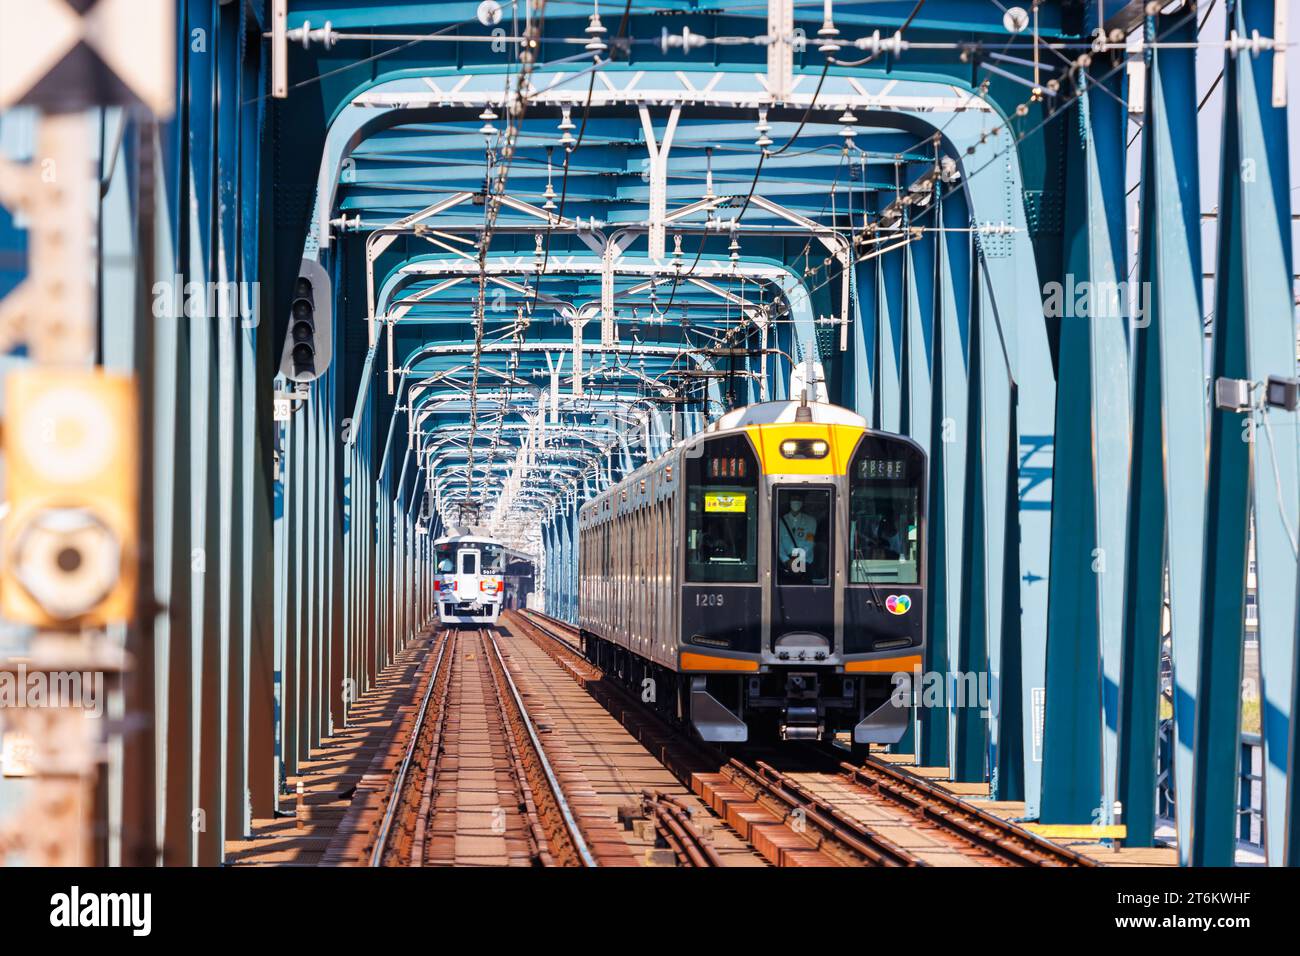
(898, 604)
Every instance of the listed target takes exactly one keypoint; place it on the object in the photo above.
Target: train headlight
(68, 561)
(805, 448)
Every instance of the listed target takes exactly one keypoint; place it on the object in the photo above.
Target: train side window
(722, 512)
(885, 512)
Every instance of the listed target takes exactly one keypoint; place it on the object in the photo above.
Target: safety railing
(1249, 783)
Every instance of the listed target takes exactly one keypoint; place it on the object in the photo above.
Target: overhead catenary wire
(1062, 107)
(515, 107)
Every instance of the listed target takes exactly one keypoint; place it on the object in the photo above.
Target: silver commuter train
(767, 575)
(470, 578)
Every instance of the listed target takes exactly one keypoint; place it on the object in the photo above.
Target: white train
(470, 579)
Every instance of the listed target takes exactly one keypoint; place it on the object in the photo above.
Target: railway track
(680, 753)
(762, 806)
(475, 786)
(676, 825)
(398, 825)
(660, 821)
(998, 837)
(874, 815)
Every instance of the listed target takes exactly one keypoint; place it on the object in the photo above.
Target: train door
(803, 606)
(491, 579)
(467, 575)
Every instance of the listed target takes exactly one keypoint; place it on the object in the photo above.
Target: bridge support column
(570, 564)
(918, 321)
(1007, 520)
(572, 526)
(293, 459)
(1254, 338)
(1092, 458)
(548, 552)
(862, 341)
(1167, 496)
(984, 543)
(561, 578)
(890, 305)
(947, 497)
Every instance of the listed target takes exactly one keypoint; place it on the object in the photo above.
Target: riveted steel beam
(1166, 520)
(1254, 337)
(1090, 510)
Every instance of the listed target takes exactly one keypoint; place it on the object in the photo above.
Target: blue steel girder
(432, 290)
(1167, 496)
(389, 103)
(948, 16)
(1251, 459)
(1013, 350)
(1088, 553)
(741, 312)
(947, 493)
(584, 446)
(565, 376)
(802, 349)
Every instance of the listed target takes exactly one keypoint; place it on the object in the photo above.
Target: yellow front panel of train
(770, 440)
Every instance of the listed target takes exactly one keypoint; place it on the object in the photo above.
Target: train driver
(796, 535)
(888, 537)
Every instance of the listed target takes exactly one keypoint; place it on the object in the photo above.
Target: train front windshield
(470, 558)
(803, 536)
(885, 514)
(492, 559)
(722, 513)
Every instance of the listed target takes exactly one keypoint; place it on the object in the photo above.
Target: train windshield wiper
(875, 592)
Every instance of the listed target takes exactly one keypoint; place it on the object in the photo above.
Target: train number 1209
(709, 600)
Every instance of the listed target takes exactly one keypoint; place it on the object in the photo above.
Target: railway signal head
(307, 345)
(303, 329)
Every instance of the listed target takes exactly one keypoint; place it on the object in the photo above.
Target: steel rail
(674, 823)
(836, 832)
(550, 626)
(561, 802)
(958, 817)
(828, 828)
(973, 825)
(541, 841)
(399, 784)
(688, 754)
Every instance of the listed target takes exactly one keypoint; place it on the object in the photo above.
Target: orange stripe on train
(887, 665)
